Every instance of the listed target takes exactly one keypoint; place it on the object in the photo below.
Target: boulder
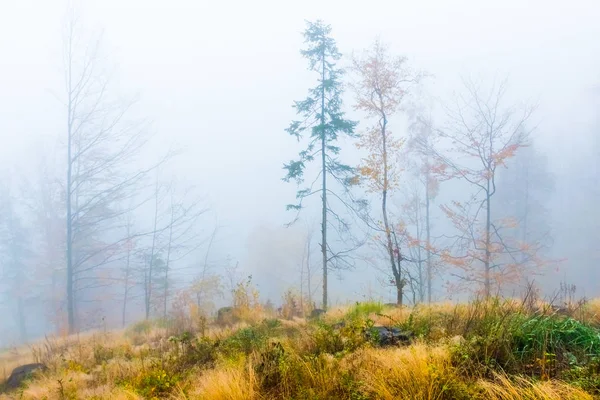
(21, 373)
(225, 316)
(388, 336)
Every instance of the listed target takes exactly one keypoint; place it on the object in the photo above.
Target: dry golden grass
(591, 312)
(417, 372)
(232, 382)
(96, 364)
(519, 388)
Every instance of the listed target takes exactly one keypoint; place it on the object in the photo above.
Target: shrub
(340, 338)
(103, 353)
(362, 310)
(245, 341)
(292, 306)
(192, 351)
(152, 383)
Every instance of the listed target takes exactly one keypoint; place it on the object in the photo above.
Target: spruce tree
(322, 123)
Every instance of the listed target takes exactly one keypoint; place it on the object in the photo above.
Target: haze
(217, 81)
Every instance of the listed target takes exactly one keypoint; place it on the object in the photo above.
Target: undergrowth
(496, 349)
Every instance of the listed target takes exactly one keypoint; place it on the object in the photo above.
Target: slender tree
(15, 255)
(422, 136)
(183, 238)
(127, 269)
(524, 190)
(207, 286)
(324, 122)
(102, 172)
(382, 85)
(481, 136)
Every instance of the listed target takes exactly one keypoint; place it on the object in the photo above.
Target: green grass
(505, 353)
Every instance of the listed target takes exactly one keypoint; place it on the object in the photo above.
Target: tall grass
(519, 388)
(504, 351)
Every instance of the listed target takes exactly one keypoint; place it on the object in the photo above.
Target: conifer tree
(322, 123)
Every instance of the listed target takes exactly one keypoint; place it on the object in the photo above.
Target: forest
(397, 236)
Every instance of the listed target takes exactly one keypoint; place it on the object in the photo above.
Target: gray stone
(21, 373)
(388, 336)
(225, 316)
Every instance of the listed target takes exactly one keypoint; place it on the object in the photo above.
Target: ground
(495, 349)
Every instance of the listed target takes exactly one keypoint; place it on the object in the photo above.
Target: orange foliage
(383, 82)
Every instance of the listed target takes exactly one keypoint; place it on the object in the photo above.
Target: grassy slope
(483, 350)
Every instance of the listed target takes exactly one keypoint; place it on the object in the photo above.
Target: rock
(21, 373)
(316, 313)
(388, 336)
(225, 316)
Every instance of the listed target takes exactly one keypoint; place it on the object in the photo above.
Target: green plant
(362, 310)
(585, 377)
(245, 340)
(152, 383)
(103, 353)
(269, 366)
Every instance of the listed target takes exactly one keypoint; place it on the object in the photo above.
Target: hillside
(498, 349)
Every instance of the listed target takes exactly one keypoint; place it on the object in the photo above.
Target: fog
(215, 83)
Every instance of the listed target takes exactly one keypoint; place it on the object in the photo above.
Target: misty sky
(219, 78)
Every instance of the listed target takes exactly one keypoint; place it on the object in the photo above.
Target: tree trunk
(388, 232)
(19, 285)
(524, 234)
(324, 188)
(488, 227)
(69, 189)
(167, 263)
(126, 294)
(21, 316)
(127, 272)
(428, 233)
(399, 291)
(149, 279)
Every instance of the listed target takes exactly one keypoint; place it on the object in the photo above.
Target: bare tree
(481, 136)
(102, 166)
(207, 285)
(232, 275)
(185, 213)
(307, 288)
(423, 169)
(128, 281)
(15, 254)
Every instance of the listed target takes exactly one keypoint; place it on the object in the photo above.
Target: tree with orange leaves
(383, 82)
(481, 136)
